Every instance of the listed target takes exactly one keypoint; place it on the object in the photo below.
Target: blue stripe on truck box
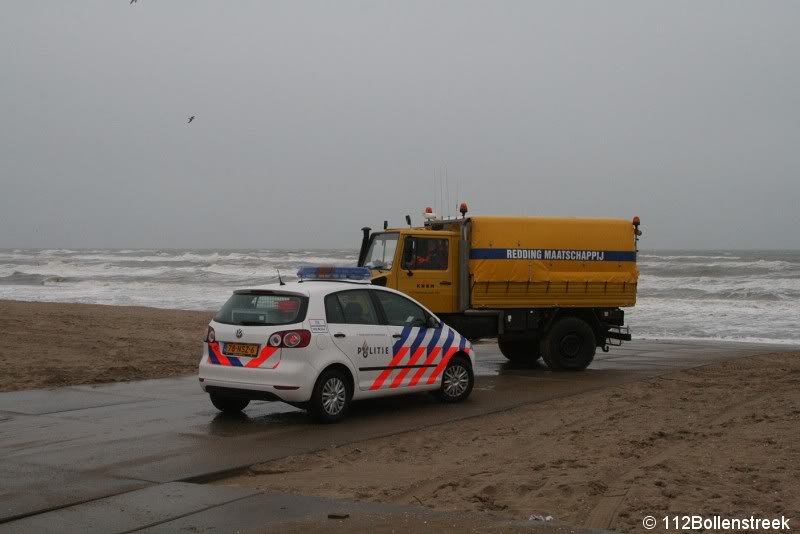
(548, 254)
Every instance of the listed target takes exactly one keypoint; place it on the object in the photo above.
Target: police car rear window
(260, 309)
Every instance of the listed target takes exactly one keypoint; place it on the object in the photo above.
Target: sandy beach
(715, 439)
(55, 344)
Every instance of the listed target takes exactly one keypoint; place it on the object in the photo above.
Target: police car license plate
(241, 349)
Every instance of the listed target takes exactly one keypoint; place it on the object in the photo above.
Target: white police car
(326, 340)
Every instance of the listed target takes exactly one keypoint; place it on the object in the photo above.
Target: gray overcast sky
(317, 118)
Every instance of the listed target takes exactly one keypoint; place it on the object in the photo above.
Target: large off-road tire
(457, 381)
(519, 350)
(330, 400)
(227, 404)
(569, 345)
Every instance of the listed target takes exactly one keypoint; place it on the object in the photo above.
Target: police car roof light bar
(334, 273)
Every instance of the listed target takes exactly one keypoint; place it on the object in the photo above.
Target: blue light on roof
(334, 273)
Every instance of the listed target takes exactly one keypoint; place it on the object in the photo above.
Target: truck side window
(425, 253)
(350, 307)
(401, 311)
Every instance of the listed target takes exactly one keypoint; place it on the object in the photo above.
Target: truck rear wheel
(519, 350)
(569, 345)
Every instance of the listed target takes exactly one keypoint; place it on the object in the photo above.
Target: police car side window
(333, 310)
(400, 311)
(350, 307)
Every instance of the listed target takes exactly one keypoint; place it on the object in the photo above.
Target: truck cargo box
(535, 262)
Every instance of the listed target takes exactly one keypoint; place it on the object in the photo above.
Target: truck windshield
(381, 251)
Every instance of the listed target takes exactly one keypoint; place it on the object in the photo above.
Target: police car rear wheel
(331, 397)
(457, 381)
(519, 350)
(228, 404)
(569, 346)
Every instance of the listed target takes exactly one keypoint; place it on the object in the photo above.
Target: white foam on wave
(159, 257)
(727, 285)
(240, 271)
(686, 257)
(154, 295)
(746, 339)
(57, 251)
(774, 265)
(68, 269)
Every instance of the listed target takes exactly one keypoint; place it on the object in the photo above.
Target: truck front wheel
(519, 350)
(569, 345)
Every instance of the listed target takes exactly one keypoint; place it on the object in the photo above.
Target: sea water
(725, 295)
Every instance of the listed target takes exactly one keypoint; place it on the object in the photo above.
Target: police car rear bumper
(287, 383)
(250, 391)
(249, 394)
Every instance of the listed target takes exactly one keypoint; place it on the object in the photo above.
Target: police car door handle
(445, 283)
(397, 336)
(339, 334)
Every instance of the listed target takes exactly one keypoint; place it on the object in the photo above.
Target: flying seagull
(190, 119)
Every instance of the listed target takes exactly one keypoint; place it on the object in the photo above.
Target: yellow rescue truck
(549, 287)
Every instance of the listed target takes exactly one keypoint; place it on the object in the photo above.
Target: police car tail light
(290, 339)
(296, 338)
(211, 336)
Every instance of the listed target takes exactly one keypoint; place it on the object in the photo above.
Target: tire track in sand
(605, 511)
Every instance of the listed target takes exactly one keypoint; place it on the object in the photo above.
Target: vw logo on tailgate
(239, 333)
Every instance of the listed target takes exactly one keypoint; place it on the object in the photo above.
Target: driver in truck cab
(427, 254)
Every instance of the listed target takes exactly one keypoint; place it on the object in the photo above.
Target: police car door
(355, 325)
(415, 347)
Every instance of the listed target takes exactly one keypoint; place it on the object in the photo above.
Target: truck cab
(420, 262)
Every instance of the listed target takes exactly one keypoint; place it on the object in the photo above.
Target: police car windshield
(262, 309)
(381, 251)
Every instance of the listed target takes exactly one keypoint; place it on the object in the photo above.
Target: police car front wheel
(331, 397)
(457, 381)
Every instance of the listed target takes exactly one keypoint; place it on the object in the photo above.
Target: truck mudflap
(616, 335)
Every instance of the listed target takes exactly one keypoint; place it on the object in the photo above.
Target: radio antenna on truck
(441, 194)
(447, 184)
(457, 200)
(435, 187)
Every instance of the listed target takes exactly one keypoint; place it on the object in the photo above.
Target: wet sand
(54, 344)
